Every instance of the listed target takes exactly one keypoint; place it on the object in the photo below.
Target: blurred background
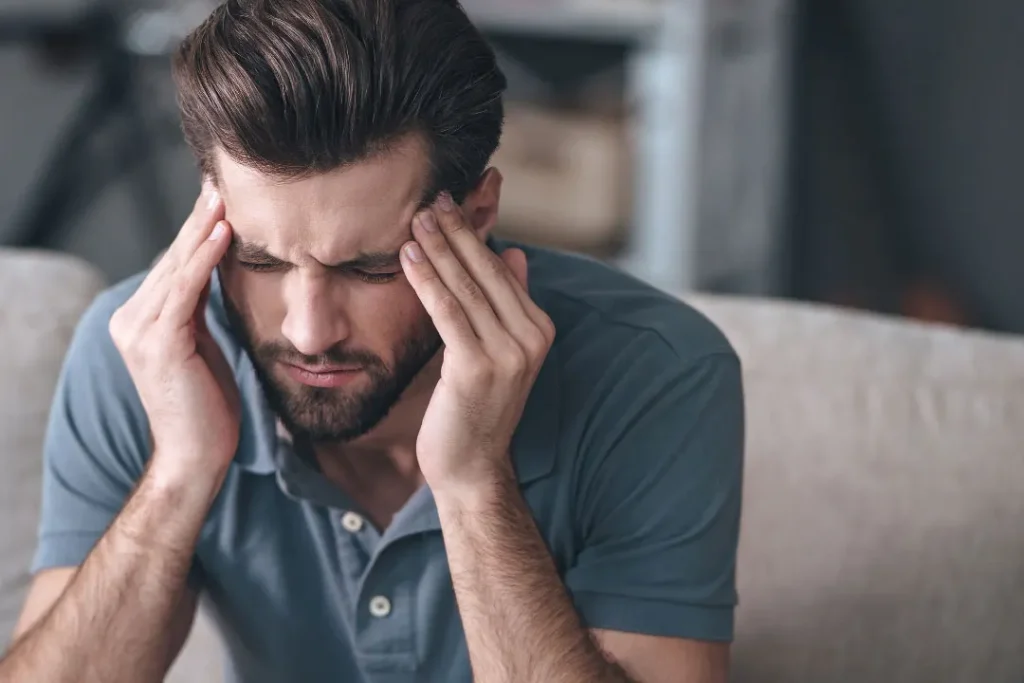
(857, 152)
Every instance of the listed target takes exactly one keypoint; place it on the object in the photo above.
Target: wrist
(486, 488)
(172, 476)
(166, 512)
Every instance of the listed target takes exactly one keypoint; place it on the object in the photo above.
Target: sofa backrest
(883, 521)
(883, 532)
(42, 296)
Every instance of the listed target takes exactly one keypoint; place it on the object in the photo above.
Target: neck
(386, 455)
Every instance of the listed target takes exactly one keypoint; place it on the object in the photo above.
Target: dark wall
(912, 150)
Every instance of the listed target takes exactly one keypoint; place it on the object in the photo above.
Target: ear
(481, 205)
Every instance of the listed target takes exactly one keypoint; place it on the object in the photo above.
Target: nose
(313, 322)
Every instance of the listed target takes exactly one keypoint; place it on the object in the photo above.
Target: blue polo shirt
(629, 455)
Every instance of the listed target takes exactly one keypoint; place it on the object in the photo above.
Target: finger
(152, 293)
(188, 283)
(444, 308)
(199, 317)
(517, 263)
(504, 288)
(208, 209)
(515, 259)
(483, 265)
(478, 307)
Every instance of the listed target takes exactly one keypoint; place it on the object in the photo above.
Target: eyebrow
(254, 252)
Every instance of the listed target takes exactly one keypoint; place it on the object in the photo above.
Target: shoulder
(619, 338)
(92, 345)
(634, 373)
(648, 433)
(597, 309)
(97, 427)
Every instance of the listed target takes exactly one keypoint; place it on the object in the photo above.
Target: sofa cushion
(884, 485)
(43, 296)
(884, 498)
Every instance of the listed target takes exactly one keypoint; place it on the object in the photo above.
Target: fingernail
(428, 221)
(445, 201)
(212, 199)
(218, 231)
(413, 251)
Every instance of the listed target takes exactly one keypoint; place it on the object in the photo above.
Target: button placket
(353, 540)
(352, 522)
(380, 606)
(385, 620)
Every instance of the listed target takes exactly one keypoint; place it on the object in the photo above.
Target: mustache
(335, 356)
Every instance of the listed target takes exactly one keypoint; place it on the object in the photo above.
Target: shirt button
(380, 606)
(352, 522)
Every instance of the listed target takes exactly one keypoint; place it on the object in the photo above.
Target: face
(316, 293)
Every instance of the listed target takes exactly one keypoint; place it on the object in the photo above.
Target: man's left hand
(495, 337)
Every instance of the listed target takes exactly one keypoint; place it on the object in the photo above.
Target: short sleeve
(659, 503)
(95, 446)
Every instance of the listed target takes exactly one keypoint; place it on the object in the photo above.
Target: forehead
(358, 206)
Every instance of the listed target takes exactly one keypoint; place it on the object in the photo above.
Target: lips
(322, 376)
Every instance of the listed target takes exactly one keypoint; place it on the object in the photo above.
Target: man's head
(326, 124)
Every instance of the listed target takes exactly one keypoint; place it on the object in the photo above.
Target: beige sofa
(883, 535)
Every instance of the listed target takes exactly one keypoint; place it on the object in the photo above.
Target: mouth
(326, 377)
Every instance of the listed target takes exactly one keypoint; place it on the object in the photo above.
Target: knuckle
(537, 344)
(448, 306)
(496, 267)
(513, 360)
(479, 371)
(547, 328)
(122, 329)
(437, 244)
(120, 338)
(151, 350)
(452, 225)
(116, 324)
(146, 345)
(428, 280)
(469, 288)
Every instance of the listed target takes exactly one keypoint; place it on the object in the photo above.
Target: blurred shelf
(622, 22)
(707, 81)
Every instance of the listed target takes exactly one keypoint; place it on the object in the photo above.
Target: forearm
(519, 622)
(115, 620)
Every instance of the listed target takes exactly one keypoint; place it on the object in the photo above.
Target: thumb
(199, 317)
(515, 259)
(209, 350)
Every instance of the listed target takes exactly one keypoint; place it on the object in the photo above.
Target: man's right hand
(185, 383)
(191, 400)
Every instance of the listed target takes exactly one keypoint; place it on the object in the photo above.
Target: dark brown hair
(292, 88)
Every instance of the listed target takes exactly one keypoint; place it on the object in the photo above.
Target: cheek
(386, 314)
(258, 298)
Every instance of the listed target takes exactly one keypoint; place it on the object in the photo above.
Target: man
(382, 445)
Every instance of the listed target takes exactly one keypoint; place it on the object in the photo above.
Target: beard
(321, 415)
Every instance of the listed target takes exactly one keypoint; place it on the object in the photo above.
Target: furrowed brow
(254, 252)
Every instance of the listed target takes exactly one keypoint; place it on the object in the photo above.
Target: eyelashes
(375, 278)
(259, 267)
(370, 278)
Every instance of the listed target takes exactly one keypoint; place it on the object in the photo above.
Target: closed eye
(370, 278)
(374, 278)
(260, 267)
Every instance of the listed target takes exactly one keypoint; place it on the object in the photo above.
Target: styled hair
(292, 88)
